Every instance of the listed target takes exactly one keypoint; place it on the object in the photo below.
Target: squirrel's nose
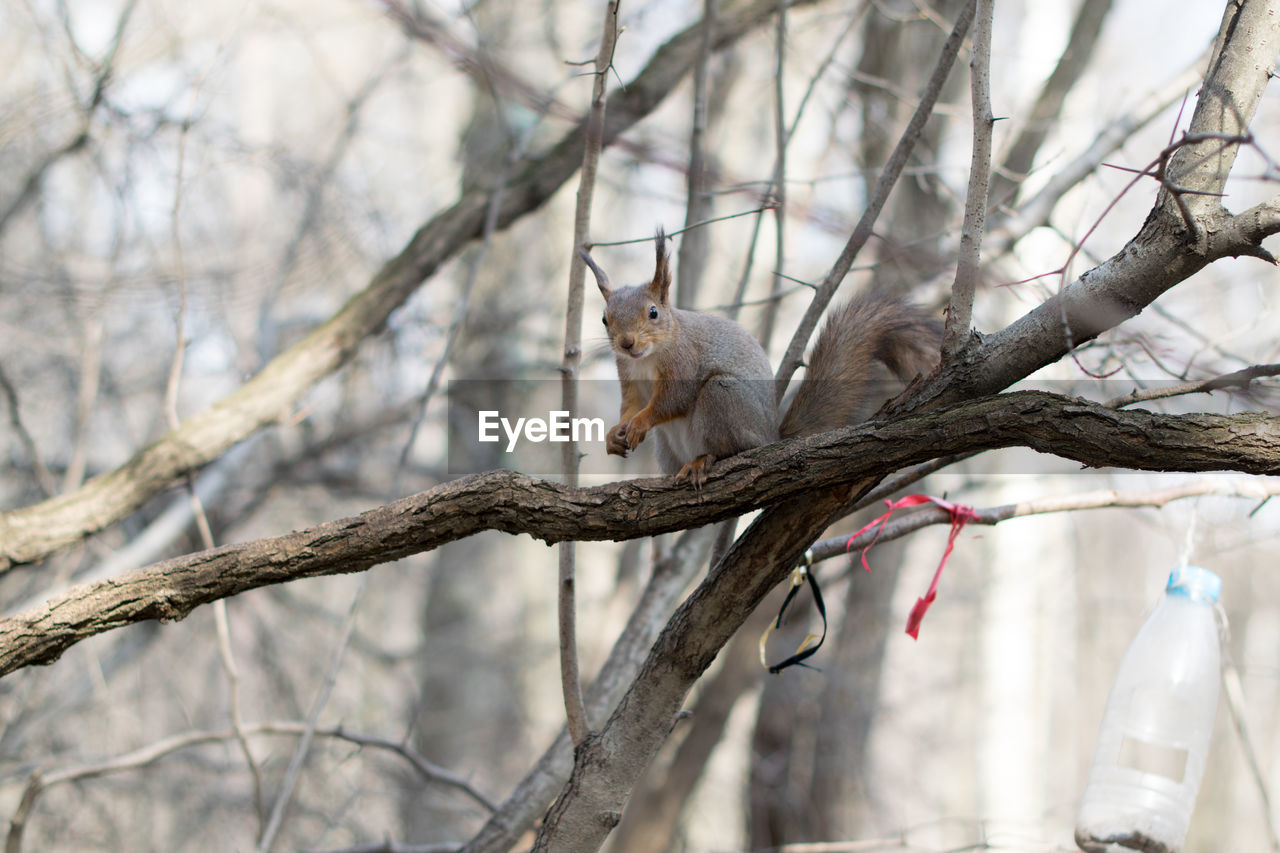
(627, 342)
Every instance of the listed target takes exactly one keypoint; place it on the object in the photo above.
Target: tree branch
(1087, 432)
(575, 709)
(927, 516)
(959, 327)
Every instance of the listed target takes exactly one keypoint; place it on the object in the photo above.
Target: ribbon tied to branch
(960, 516)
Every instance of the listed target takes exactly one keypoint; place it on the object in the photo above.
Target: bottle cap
(1194, 582)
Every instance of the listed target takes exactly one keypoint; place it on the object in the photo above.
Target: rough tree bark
(786, 473)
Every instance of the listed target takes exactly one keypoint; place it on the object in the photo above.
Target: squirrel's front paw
(616, 441)
(635, 432)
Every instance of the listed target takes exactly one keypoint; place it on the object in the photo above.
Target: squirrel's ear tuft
(661, 284)
(602, 280)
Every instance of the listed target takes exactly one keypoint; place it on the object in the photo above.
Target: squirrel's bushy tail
(840, 381)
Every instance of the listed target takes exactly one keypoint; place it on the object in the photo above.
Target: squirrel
(705, 387)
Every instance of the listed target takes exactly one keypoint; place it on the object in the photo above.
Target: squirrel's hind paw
(696, 471)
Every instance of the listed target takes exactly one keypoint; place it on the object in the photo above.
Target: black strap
(806, 650)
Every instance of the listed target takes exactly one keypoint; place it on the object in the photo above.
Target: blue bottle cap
(1194, 582)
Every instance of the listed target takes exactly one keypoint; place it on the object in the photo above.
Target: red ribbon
(960, 516)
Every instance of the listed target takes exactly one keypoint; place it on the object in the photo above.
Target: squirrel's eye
(653, 312)
(604, 319)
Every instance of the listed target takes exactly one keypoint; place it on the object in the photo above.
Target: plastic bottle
(1155, 732)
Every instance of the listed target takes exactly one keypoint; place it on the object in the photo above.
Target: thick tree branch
(1087, 432)
(32, 533)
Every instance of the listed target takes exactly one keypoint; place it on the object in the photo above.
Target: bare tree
(292, 380)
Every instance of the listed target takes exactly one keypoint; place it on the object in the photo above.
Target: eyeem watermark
(522, 424)
(558, 427)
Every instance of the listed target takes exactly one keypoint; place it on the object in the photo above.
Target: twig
(778, 186)
(1234, 696)
(879, 195)
(1235, 379)
(44, 478)
(571, 683)
(739, 294)
(1008, 228)
(648, 238)
(270, 833)
(106, 68)
(222, 626)
(692, 257)
(907, 523)
(1018, 159)
(41, 781)
(957, 333)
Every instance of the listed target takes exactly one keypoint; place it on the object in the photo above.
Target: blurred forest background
(188, 189)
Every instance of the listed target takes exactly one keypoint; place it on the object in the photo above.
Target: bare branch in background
(270, 832)
(1018, 159)
(1010, 226)
(778, 182)
(142, 757)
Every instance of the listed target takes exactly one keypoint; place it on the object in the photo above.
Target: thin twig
(1235, 379)
(44, 478)
(221, 623)
(41, 781)
(739, 294)
(1233, 691)
(692, 258)
(648, 238)
(571, 682)
(778, 186)
(1017, 161)
(1010, 227)
(299, 757)
(910, 522)
(960, 312)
